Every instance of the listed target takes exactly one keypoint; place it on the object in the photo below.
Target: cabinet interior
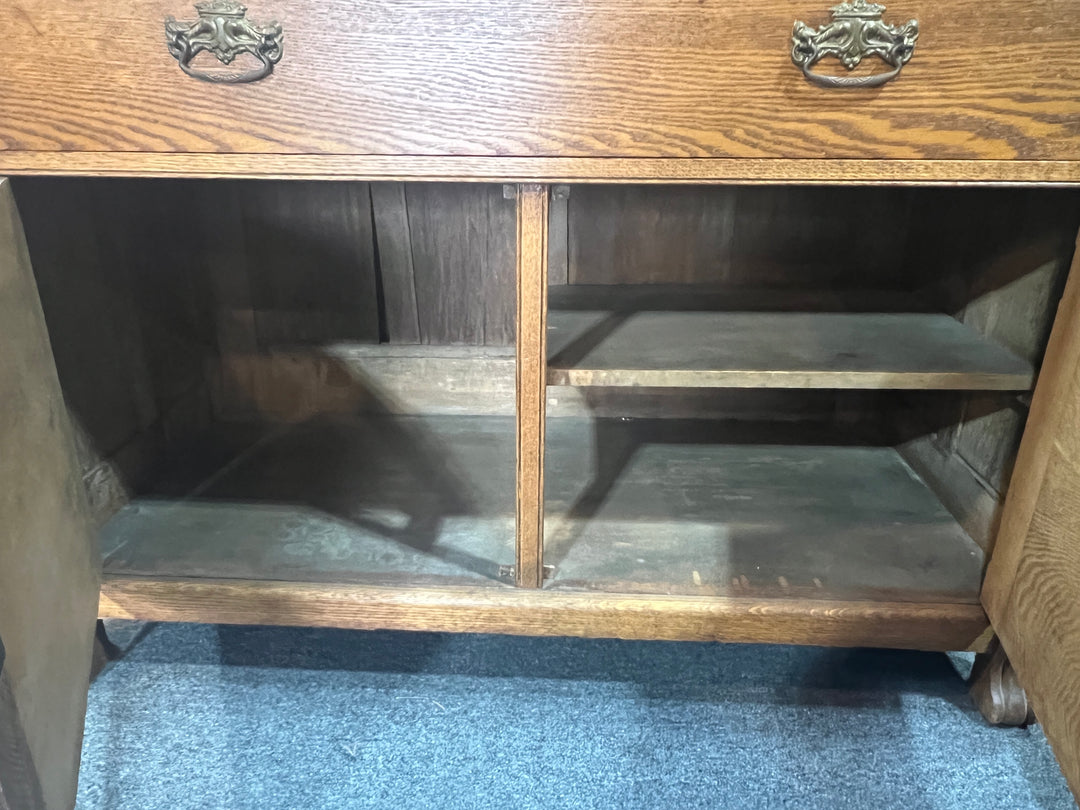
(774, 392)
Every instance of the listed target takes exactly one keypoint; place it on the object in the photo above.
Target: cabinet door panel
(1032, 587)
(48, 560)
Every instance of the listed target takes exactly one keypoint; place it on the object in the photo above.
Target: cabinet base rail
(512, 611)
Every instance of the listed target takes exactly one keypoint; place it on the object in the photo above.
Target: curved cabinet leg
(996, 690)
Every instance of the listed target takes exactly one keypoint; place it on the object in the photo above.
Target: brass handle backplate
(223, 30)
(856, 32)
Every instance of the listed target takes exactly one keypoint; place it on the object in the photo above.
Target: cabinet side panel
(48, 559)
(996, 260)
(126, 304)
(1032, 585)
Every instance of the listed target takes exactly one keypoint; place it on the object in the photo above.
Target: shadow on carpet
(199, 716)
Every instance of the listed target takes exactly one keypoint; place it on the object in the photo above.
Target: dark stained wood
(453, 78)
(967, 496)
(153, 262)
(293, 263)
(281, 264)
(79, 245)
(1012, 297)
(394, 245)
(639, 234)
(1032, 585)
(463, 263)
(226, 270)
(308, 251)
(738, 237)
(130, 320)
(452, 168)
(559, 236)
(49, 570)
(998, 263)
(532, 287)
(822, 238)
(549, 613)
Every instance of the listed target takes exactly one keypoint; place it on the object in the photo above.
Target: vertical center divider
(532, 281)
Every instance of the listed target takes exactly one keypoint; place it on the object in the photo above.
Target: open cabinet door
(48, 560)
(1032, 587)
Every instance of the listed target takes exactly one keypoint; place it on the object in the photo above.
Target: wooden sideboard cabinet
(597, 319)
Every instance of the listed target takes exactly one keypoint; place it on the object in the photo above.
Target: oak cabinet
(701, 351)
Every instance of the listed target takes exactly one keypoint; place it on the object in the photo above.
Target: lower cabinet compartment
(384, 500)
(643, 506)
(747, 510)
(772, 414)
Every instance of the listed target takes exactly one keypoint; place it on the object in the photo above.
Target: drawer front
(990, 79)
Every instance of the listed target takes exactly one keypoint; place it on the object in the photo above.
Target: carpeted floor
(196, 716)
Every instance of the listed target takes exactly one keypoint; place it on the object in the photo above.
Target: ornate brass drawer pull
(223, 30)
(856, 31)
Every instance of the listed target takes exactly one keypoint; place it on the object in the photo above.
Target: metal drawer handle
(856, 31)
(223, 30)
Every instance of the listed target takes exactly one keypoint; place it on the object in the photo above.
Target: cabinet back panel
(760, 237)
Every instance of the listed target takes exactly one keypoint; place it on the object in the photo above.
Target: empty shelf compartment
(393, 500)
(735, 509)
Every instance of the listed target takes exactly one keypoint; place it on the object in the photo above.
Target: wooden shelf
(382, 501)
(764, 511)
(635, 341)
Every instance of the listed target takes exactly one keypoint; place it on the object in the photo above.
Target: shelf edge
(753, 378)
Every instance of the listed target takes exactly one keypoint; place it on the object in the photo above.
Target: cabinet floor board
(747, 509)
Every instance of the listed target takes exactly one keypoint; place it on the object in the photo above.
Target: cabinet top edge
(487, 169)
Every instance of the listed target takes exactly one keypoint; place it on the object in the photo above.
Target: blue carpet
(196, 716)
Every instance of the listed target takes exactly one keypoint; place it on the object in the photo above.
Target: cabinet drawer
(989, 79)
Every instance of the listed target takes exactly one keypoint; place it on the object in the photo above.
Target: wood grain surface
(547, 613)
(757, 238)
(462, 245)
(744, 171)
(532, 286)
(612, 78)
(49, 562)
(1032, 586)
